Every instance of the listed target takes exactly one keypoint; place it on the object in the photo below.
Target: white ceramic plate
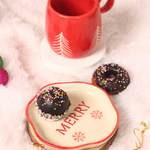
(91, 121)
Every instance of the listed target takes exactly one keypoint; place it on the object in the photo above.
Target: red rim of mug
(74, 17)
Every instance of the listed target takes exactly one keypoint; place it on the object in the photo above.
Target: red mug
(73, 27)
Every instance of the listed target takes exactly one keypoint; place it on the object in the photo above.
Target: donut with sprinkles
(111, 77)
(52, 103)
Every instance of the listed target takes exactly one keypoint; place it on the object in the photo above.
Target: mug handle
(107, 6)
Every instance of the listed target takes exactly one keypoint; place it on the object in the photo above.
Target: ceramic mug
(73, 27)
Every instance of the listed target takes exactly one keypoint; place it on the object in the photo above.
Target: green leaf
(1, 62)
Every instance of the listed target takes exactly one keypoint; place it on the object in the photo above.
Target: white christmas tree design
(96, 38)
(61, 46)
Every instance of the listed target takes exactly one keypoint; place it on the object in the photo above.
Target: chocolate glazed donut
(111, 77)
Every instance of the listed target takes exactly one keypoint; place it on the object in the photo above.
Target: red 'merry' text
(73, 117)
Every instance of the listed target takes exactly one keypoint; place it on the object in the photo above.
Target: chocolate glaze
(112, 78)
(53, 100)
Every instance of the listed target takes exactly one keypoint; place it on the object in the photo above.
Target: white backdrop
(126, 31)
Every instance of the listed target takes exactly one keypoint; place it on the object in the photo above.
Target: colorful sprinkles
(52, 103)
(50, 94)
(111, 78)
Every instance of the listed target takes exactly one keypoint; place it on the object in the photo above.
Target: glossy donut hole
(111, 74)
(72, 7)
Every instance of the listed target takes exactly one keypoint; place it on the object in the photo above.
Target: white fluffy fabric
(126, 30)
